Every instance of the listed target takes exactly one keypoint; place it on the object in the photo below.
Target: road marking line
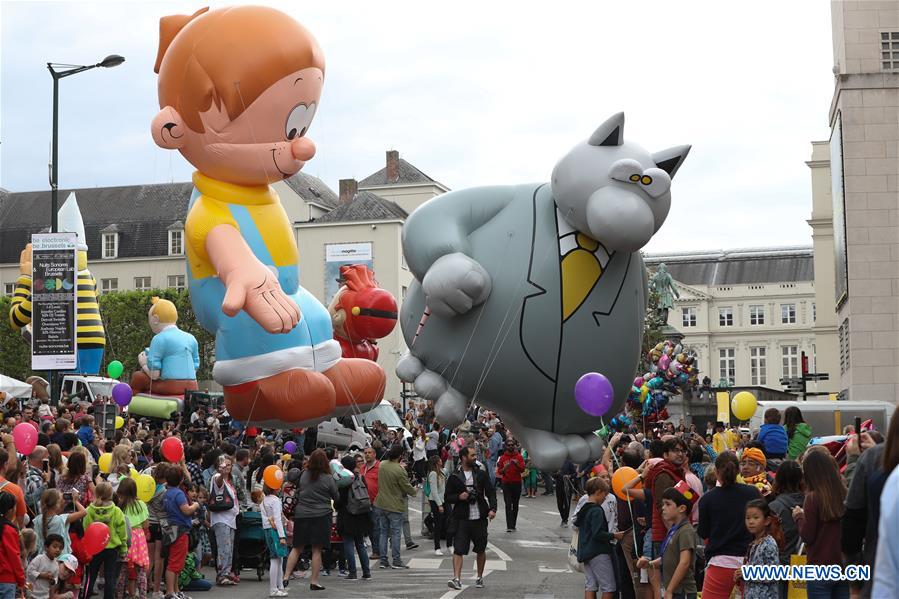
(412, 509)
(551, 513)
(499, 552)
(540, 544)
(545, 570)
(423, 563)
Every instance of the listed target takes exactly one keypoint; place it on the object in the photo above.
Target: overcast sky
(472, 93)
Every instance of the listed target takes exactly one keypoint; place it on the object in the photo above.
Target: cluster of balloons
(619, 422)
(672, 368)
(121, 393)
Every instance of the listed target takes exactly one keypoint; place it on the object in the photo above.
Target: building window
(843, 335)
(176, 282)
(814, 312)
(889, 50)
(788, 313)
(727, 364)
(110, 245)
(790, 360)
(142, 283)
(758, 365)
(9, 288)
(726, 317)
(176, 242)
(109, 285)
(756, 315)
(688, 316)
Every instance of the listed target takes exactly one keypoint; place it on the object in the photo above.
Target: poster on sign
(340, 254)
(53, 301)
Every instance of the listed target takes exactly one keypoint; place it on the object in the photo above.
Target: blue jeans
(7, 590)
(826, 589)
(351, 545)
(392, 528)
(491, 471)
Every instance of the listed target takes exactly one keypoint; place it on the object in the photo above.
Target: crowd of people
(700, 504)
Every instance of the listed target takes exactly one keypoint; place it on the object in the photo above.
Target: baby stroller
(251, 549)
(333, 555)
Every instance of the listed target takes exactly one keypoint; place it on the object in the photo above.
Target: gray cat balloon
(504, 327)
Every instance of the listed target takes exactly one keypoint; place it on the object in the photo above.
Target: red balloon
(24, 437)
(172, 449)
(96, 536)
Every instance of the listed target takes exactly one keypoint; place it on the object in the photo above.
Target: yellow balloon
(286, 457)
(119, 422)
(104, 462)
(135, 475)
(743, 405)
(146, 487)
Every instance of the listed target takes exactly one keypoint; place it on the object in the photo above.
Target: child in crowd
(44, 411)
(52, 520)
(529, 476)
(678, 560)
(178, 513)
(275, 540)
(594, 542)
(44, 571)
(773, 435)
(200, 524)
(111, 557)
(138, 560)
(12, 574)
(764, 527)
(29, 545)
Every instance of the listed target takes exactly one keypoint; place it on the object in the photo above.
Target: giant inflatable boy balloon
(90, 335)
(238, 89)
(169, 366)
(524, 289)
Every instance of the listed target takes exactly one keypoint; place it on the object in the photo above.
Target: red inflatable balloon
(96, 536)
(172, 449)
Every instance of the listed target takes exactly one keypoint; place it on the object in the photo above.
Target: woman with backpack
(354, 519)
(223, 508)
(434, 489)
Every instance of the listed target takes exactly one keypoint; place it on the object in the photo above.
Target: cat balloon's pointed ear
(610, 133)
(670, 160)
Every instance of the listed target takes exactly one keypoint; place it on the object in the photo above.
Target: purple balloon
(121, 393)
(594, 394)
(290, 447)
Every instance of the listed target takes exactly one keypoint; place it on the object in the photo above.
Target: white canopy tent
(14, 388)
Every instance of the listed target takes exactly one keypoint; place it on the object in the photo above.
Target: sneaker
(479, 582)
(351, 577)
(182, 595)
(399, 566)
(438, 552)
(508, 530)
(326, 572)
(564, 524)
(455, 583)
(172, 596)
(412, 545)
(366, 576)
(384, 566)
(342, 573)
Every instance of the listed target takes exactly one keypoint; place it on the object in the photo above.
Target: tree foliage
(127, 333)
(652, 329)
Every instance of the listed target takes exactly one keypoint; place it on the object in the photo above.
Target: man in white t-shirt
(474, 504)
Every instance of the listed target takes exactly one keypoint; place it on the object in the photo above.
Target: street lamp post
(58, 71)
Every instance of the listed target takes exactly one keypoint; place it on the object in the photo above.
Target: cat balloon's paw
(409, 367)
(451, 407)
(455, 284)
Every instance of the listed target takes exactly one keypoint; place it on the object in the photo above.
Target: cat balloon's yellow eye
(635, 178)
(645, 180)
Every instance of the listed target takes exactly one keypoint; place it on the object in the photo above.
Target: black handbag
(220, 499)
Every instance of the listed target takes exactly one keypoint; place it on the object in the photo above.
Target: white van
(350, 431)
(829, 417)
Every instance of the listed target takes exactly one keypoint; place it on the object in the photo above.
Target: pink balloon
(24, 435)
(664, 361)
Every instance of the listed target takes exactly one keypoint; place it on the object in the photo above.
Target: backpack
(220, 498)
(358, 501)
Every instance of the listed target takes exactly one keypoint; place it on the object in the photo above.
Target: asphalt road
(530, 563)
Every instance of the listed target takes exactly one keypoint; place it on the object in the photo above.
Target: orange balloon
(273, 477)
(621, 477)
